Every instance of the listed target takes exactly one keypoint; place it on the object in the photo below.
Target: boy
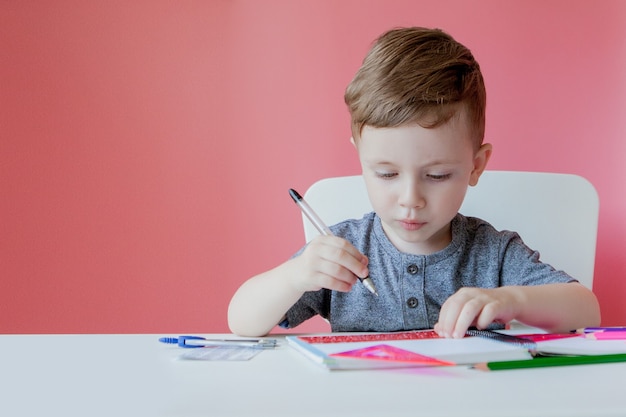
(418, 120)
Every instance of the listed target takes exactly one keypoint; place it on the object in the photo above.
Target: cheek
(454, 196)
(380, 196)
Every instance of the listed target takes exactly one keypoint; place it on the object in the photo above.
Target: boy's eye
(439, 177)
(386, 175)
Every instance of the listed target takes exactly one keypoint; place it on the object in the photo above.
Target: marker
(606, 335)
(324, 230)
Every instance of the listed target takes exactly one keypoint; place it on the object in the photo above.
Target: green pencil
(545, 361)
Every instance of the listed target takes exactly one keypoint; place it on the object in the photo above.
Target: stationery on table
(580, 344)
(426, 348)
(585, 347)
(606, 335)
(601, 329)
(548, 361)
(407, 349)
(200, 342)
(220, 353)
(217, 349)
(324, 230)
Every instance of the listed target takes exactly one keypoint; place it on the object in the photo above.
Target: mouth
(411, 225)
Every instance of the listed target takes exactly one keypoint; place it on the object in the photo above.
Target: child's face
(416, 179)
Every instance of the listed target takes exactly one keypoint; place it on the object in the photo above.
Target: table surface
(134, 375)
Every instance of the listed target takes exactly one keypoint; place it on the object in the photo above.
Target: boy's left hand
(475, 307)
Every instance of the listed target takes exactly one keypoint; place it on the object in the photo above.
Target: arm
(553, 307)
(262, 301)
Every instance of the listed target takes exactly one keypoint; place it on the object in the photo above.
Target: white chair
(555, 214)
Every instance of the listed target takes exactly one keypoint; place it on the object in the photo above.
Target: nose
(411, 195)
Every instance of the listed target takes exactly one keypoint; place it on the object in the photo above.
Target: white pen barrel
(314, 218)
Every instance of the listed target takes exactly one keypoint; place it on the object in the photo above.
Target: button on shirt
(412, 288)
(412, 302)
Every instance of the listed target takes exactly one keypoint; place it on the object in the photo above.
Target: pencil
(546, 361)
(601, 329)
(607, 335)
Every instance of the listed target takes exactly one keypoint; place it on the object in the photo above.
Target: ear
(352, 141)
(481, 157)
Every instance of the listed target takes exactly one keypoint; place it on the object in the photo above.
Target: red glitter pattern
(371, 337)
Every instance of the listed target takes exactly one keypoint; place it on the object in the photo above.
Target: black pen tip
(294, 194)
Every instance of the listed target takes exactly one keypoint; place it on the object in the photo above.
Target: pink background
(146, 147)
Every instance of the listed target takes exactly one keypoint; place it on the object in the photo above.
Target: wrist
(515, 298)
(292, 276)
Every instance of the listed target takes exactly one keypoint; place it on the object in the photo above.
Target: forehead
(413, 143)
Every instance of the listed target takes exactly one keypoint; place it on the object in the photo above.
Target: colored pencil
(607, 335)
(601, 329)
(546, 361)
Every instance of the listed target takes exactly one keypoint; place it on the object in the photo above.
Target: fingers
(333, 263)
(471, 307)
(457, 315)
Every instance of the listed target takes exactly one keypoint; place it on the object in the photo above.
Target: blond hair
(417, 75)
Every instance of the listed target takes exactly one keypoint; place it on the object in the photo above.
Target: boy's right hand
(329, 262)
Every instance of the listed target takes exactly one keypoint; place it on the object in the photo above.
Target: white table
(134, 375)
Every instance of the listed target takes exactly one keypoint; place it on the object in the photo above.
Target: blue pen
(199, 342)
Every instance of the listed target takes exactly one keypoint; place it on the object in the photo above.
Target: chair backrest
(555, 214)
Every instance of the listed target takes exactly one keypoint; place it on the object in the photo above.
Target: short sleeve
(311, 303)
(522, 266)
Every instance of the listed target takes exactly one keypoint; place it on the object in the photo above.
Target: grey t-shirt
(412, 288)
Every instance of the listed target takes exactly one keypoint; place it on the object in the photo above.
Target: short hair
(417, 75)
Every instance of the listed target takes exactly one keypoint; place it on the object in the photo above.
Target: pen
(601, 329)
(546, 361)
(323, 229)
(198, 342)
